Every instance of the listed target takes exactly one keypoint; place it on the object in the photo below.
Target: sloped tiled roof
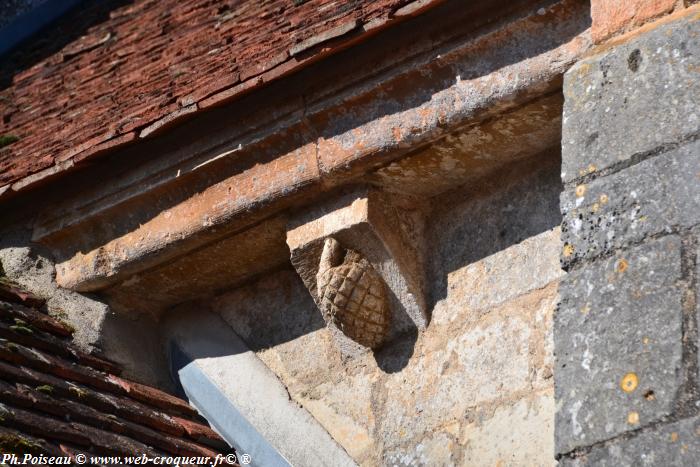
(151, 62)
(58, 400)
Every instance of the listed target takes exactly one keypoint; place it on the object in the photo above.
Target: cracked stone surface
(658, 195)
(675, 444)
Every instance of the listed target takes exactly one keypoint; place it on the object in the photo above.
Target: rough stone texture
(525, 433)
(626, 331)
(208, 209)
(618, 340)
(614, 16)
(448, 382)
(503, 210)
(616, 94)
(658, 195)
(439, 396)
(476, 151)
(220, 265)
(674, 444)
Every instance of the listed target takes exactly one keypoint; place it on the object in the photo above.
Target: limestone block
(657, 195)
(618, 344)
(516, 435)
(673, 444)
(632, 99)
(457, 375)
(386, 231)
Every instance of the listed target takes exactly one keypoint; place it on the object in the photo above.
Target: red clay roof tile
(150, 59)
(57, 400)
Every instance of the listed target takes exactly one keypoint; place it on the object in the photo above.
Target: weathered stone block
(495, 242)
(520, 434)
(611, 108)
(654, 196)
(675, 444)
(618, 339)
(478, 287)
(385, 232)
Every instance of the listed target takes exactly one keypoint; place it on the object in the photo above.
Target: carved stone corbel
(360, 255)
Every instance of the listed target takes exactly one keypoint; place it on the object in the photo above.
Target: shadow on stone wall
(504, 209)
(277, 309)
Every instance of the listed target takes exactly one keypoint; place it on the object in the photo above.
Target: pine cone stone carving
(352, 295)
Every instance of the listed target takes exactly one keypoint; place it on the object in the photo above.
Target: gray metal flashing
(242, 398)
(223, 416)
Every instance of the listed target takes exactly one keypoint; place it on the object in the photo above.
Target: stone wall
(626, 339)
(474, 388)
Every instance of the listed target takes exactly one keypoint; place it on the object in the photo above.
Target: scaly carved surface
(352, 296)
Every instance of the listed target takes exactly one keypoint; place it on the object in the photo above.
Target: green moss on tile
(45, 388)
(20, 329)
(6, 140)
(18, 445)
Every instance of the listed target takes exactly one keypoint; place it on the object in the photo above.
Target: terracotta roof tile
(58, 400)
(150, 59)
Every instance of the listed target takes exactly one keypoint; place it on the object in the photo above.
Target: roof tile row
(149, 60)
(56, 399)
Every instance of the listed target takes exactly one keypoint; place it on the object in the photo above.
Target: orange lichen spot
(604, 198)
(591, 169)
(633, 418)
(568, 250)
(674, 437)
(621, 265)
(629, 382)
(595, 207)
(645, 341)
(580, 191)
